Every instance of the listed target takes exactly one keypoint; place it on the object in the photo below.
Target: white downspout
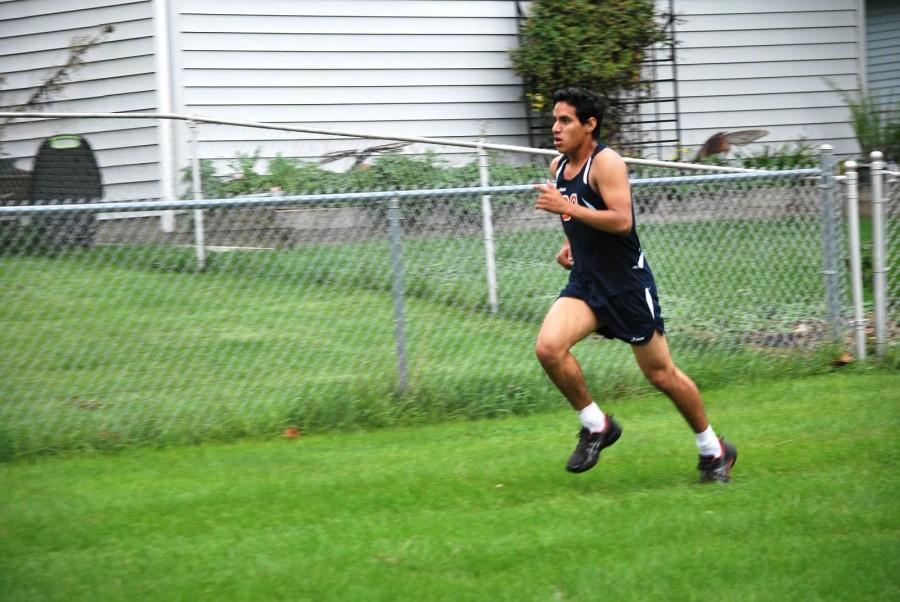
(166, 127)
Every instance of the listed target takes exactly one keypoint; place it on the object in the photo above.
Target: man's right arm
(564, 256)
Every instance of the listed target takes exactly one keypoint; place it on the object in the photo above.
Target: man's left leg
(716, 455)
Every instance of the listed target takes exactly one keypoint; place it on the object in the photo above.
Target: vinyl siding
(419, 68)
(883, 50)
(116, 75)
(767, 64)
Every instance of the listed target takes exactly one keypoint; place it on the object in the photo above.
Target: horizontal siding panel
(764, 119)
(129, 174)
(363, 8)
(351, 79)
(363, 112)
(345, 43)
(748, 54)
(774, 85)
(387, 95)
(763, 69)
(135, 101)
(75, 20)
(19, 9)
(108, 51)
(885, 53)
(282, 25)
(125, 149)
(712, 7)
(765, 21)
(112, 86)
(278, 62)
(128, 155)
(765, 37)
(94, 129)
(131, 191)
(91, 71)
(710, 104)
(55, 40)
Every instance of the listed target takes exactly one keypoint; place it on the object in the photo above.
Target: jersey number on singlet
(572, 198)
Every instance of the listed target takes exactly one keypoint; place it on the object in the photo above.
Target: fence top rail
(347, 197)
(327, 132)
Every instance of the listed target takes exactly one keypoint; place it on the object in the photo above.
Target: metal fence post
(397, 290)
(199, 233)
(488, 227)
(859, 321)
(830, 241)
(879, 250)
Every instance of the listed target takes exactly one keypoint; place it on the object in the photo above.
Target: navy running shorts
(631, 316)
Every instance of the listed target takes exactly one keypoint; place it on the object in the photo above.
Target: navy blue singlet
(607, 263)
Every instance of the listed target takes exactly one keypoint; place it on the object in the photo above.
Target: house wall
(883, 50)
(769, 64)
(116, 75)
(436, 69)
(407, 67)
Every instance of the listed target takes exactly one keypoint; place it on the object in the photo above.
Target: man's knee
(663, 378)
(548, 352)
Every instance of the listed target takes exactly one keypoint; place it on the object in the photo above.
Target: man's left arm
(609, 177)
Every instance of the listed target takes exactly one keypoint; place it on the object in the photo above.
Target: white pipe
(859, 321)
(878, 251)
(488, 226)
(345, 134)
(167, 178)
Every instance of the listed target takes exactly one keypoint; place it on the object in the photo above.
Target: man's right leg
(569, 321)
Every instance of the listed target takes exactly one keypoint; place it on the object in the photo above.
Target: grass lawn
(483, 510)
(128, 345)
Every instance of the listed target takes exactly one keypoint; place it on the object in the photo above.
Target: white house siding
(766, 64)
(403, 67)
(883, 50)
(116, 75)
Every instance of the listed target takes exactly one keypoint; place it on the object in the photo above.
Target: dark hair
(587, 104)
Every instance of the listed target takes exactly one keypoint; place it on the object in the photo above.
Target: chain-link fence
(892, 223)
(394, 287)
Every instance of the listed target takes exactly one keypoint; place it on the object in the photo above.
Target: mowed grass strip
(483, 510)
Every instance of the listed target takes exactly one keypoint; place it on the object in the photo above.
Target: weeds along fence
(407, 284)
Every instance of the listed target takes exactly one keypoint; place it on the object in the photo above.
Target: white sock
(708, 443)
(592, 418)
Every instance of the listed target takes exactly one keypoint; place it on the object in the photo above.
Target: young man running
(611, 288)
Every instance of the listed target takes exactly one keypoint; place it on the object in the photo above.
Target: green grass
(483, 510)
(124, 346)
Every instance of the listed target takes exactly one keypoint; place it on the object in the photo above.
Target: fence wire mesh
(340, 309)
(892, 251)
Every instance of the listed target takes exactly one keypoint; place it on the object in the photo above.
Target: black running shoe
(714, 468)
(587, 452)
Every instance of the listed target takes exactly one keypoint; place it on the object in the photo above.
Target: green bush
(796, 155)
(596, 45)
(875, 123)
(386, 172)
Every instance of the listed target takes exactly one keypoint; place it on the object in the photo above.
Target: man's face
(568, 132)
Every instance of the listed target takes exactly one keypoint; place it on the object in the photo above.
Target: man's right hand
(564, 257)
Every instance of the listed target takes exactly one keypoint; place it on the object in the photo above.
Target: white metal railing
(329, 132)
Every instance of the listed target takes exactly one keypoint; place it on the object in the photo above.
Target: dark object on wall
(65, 172)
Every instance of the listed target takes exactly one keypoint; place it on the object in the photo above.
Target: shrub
(596, 45)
